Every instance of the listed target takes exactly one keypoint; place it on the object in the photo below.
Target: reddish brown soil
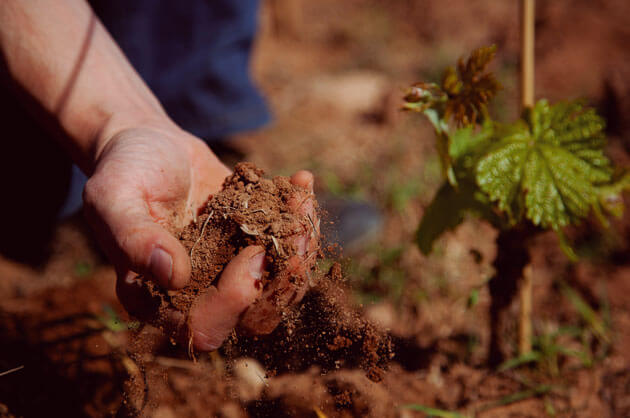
(334, 84)
(323, 330)
(249, 210)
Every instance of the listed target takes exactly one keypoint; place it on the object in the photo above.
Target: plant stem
(527, 102)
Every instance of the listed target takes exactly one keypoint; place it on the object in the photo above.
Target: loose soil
(78, 359)
(323, 330)
(249, 210)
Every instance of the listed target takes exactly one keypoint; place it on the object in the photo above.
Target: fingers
(284, 290)
(303, 179)
(215, 314)
(132, 238)
(304, 205)
(289, 286)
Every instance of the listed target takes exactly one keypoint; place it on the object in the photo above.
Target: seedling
(545, 171)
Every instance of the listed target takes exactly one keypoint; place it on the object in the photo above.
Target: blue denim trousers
(194, 55)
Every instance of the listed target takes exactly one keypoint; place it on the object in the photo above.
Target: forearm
(63, 58)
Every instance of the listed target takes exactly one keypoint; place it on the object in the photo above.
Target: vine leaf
(555, 172)
(467, 145)
(448, 209)
(469, 87)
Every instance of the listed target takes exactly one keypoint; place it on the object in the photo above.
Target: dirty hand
(149, 182)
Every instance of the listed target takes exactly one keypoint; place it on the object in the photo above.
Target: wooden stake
(525, 319)
(527, 102)
(527, 53)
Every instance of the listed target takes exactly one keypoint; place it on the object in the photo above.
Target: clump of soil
(324, 329)
(249, 210)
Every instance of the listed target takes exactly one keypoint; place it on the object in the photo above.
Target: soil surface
(334, 73)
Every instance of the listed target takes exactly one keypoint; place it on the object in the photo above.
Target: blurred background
(334, 74)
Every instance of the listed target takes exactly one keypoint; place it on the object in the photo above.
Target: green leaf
(448, 209)
(531, 357)
(592, 318)
(433, 412)
(473, 298)
(112, 321)
(517, 397)
(500, 172)
(556, 169)
(83, 269)
(566, 247)
(466, 145)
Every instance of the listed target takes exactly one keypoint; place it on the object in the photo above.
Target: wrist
(117, 123)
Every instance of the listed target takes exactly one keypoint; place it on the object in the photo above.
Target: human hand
(149, 182)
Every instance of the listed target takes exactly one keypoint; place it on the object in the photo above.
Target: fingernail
(161, 266)
(256, 265)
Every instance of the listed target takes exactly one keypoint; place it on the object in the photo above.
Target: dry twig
(203, 229)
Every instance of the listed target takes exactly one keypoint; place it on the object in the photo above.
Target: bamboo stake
(527, 102)
(527, 53)
(525, 320)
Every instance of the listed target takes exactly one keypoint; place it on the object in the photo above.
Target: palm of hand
(147, 184)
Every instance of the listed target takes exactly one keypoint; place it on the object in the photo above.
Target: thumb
(133, 240)
(216, 313)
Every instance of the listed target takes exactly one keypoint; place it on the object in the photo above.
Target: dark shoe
(353, 224)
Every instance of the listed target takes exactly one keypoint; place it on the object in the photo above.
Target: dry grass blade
(319, 413)
(315, 231)
(588, 314)
(203, 229)
(275, 244)
(433, 412)
(517, 397)
(13, 370)
(248, 230)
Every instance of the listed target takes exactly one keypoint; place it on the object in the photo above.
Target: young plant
(545, 171)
